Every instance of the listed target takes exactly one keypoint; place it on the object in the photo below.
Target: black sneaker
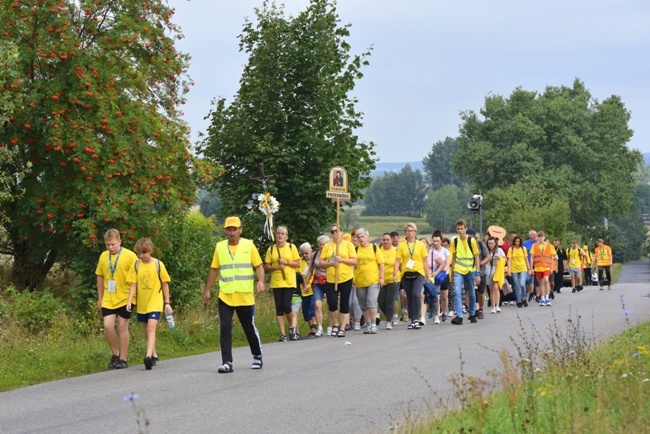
(154, 360)
(283, 338)
(377, 321)
(531, 296)
(479, 314)
(457, 321)
(472, 319)
(525, 303)
(552, 296)
(520, 304)
(148, 363)
(292, 334)
(443, 318)
(114, 360)
(558, 290)
(121, 364)
(573, 291)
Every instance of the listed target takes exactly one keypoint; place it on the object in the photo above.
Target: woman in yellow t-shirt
(368, 278)
(519, 268)
(338, 257)
(412, 262)
(282, 260)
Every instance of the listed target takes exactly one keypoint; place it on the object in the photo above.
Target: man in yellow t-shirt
(112, 295)
(575, 256)
(236, 281)
(465, 264)
(544, 255)
(603, 260)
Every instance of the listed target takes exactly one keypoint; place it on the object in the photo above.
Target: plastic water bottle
(170, 320)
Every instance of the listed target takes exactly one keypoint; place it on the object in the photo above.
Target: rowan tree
(294, 114)
(101, 83)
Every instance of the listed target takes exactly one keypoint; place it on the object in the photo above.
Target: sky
(433, 59)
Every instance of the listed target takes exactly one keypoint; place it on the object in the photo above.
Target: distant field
(378, 225)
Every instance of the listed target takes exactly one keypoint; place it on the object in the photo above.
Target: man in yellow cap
(235, 262)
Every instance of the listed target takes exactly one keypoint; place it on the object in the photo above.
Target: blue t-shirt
(528, 244)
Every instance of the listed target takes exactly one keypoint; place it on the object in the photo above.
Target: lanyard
(112, 266)
(409, 249)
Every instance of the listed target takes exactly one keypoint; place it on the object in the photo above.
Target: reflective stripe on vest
(543, 259)
(236, 273)
(465, 261)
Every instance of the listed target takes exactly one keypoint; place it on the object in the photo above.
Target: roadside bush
(186, 246)
(36, 311)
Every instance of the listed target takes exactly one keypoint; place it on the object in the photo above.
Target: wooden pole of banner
(338, 228)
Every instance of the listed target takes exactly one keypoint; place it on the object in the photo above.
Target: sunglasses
(333, 231)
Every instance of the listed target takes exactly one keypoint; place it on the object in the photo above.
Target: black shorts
(120, 311)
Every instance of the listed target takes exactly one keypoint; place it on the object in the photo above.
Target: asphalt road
(361, 383)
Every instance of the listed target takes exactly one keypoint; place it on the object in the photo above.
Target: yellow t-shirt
(574, 257)
(346, 251)
(518, 259)
(416, 251)
(278, 278)
(367, 270)
(148, 286)
(122, 263)
(389, 265)
(307, 289)
(238, 298)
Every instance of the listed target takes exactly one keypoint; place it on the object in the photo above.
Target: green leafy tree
(293, 113)
(562, 135)
(99, 84)
(446, 205)
(521, 207)
(438, 164)
(398, 194)
(210, 204)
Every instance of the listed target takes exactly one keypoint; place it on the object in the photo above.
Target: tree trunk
(28, 272)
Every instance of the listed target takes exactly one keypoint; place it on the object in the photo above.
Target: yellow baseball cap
(232, 222)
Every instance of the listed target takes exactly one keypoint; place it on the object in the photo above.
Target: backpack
(137, 265)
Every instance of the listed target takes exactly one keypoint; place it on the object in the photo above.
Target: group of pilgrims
(410, 279)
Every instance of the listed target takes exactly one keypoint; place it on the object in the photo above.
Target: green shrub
(186, 245)
(36, 311)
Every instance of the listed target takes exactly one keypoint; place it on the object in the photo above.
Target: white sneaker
(422, 321)
(436, 319)
(357, 326)
(451, 313)
(498, 309)
(329, 331)
(494, 310)
(319, 333)
(389, 326)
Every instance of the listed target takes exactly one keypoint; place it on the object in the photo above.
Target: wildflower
(572, 352)
(568, 342)
(624, 303)
(626, 312)
(624, 376)
(533, 324)
(635, 355)
(130, 397)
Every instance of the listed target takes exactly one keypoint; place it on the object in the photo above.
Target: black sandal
(335, 331)
(313, 329)
(341, 333)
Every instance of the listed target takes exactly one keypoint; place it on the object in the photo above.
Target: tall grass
(556, 381)
(44, 339)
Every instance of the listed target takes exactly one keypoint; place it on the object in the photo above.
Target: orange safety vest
(542, 261)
